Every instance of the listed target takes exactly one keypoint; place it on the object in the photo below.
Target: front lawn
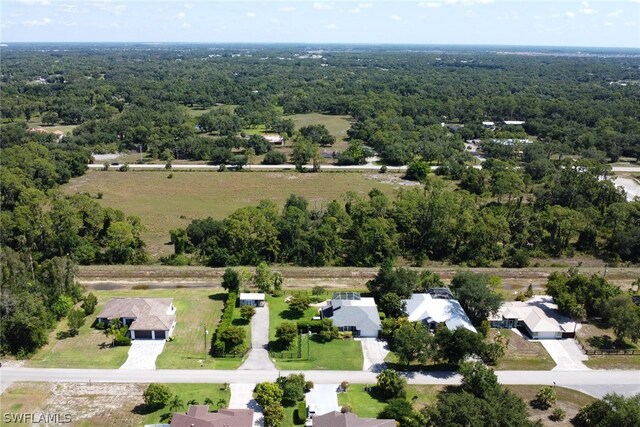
(366, 404)
(335, 355)
(186, 392)
(596, 336)
(522, 354)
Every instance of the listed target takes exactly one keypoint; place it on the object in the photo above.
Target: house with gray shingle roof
(150, 318)
(199, 416)
(337, 419)
(351, 312)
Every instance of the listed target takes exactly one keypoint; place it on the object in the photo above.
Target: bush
(121, 341)
(558, 414)
(345, 409)
(383, 169)
(301, 413)
(545, 397)
(274, 158)
(218, 347)
(247, 312)
(89, 304)
(344, 385)
(101, 326)
(124, 168)
(391, 384)
(308, 385)
(170, 176)
(156, 396)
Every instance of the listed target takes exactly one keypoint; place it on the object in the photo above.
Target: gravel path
(258, 355)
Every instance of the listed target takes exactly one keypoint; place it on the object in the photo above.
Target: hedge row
(218, 347)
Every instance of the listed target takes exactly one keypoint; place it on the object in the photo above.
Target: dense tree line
(130, 96)
(430, 223)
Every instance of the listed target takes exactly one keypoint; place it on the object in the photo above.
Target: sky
(610, 23)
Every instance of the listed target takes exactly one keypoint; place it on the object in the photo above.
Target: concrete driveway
(324, 397)
(143, 354)
(374, 351)
(258, 355)
(242, 397)
(566, 354)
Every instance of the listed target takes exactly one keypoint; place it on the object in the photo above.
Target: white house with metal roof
(351, 312)
(435, 309)
(537, 317)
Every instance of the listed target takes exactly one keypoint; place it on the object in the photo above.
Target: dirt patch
(392, 179)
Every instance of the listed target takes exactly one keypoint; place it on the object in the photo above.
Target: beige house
(337, 419)
(147, 318)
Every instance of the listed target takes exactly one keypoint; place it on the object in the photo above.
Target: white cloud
(181, 16)
(586, 9)
(396, 17)
(251, 14)
(484, 1)
(615, 13)
(274, 21)
(365, 5)
(608, 24)
(188, 6)
(36, 23)
(68, 8)
(330, 27)
(431, 4)
(287, 9)
(16, 14)
(35, 2)
(570, 14)
(322, 6)
(356, 10)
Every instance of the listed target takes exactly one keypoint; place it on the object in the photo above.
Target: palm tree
(176, 403)
(208, 401)
(192, 402)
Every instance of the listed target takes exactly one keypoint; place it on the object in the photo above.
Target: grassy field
(336, 125)
(523, 355)
(164, 204)
(595, 336)
(315, 355)
(195, 309)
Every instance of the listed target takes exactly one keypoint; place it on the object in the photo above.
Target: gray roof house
(151, 318)
(351, 312)
(337, 419)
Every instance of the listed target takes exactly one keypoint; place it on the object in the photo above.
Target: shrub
(156, 396)
(121, 341)
(89, 304)
(170, 176)
(383, 169)
(247, 312)
(391, 384)
(345, 409)
(124, 168)
(558, 414)
(101, 326)
(308, 385)
(545, 397)
(344, 385)
(274, 158)
(301, 413)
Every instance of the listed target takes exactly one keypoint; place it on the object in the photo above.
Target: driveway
(566, 354)
(374, 352)
(258, 355)
(143, 354)
(242, 397)
(324, 397)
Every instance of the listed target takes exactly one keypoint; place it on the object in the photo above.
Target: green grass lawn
(336, 125)
(523, 355)
(597, 336)
(335, 355)
(196, 309)
(362, 403)
(164, 204)
(186, 392)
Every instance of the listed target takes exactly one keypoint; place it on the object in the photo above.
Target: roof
(273, 137)
(514, 122)
(537, 321)
(199, 416)
(252, 296)
(337, 419)
(362, 313)
(423, 307)
(149, 313)
(536, 316)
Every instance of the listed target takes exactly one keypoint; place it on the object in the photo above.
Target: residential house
(351, 312)
(199, 416)
(337, 419)
(252, 299)
(514, 122)
(274, 138)
(534, 317)
(435, 307)
(150, 318)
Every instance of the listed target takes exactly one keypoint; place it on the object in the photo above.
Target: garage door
(143, 334)
(160, 335)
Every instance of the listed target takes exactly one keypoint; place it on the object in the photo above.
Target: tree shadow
(221, 296)
(289, 314)
(143, 409)
(605, 342)
(239, 322)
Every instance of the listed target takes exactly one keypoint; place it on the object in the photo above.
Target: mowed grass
(335, 355)
(164, 204)
(366, 404)
(522, 354)
(336, 125)
(596, 336)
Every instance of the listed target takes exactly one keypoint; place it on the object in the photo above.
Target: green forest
(545, 189)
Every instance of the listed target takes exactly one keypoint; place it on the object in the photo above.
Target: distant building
(533, 319)
(488, 124)
(274, 138)
(514, 122)
(199, 416)
(351, 312)
(337, 419)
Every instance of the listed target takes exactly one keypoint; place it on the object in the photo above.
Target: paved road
(367, 167)
(605, 380)
(259, 356)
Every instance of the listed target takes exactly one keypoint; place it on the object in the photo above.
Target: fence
(608, 351)
(296, 354)
(234, 354)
